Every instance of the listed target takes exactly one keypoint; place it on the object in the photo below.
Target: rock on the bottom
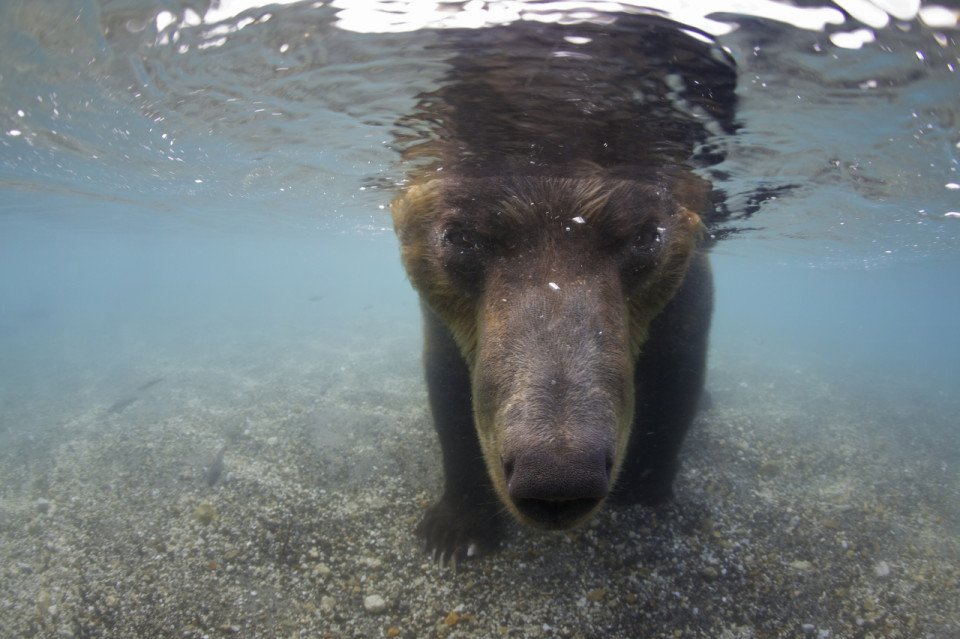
(374, 603)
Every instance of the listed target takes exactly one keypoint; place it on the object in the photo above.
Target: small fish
(152, 382)
(120, 404)
(216, 468)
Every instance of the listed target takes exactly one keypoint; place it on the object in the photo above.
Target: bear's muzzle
(557, 491)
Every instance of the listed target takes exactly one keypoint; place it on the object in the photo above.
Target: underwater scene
(214, 417)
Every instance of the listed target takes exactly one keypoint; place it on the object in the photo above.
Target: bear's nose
(557, 490)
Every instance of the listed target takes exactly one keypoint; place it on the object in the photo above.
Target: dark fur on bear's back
(554, 239)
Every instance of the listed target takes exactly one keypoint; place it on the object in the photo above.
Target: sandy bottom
(804, 509)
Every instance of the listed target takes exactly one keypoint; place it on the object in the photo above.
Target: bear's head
(549, 284)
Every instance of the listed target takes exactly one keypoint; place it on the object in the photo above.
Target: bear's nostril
(556, 490)
(507, 470)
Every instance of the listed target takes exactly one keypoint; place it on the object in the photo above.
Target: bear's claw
(453, 534)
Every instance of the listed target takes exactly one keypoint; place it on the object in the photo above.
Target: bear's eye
(647, 241)
(463, 256)
(461, 239)
(644, 249)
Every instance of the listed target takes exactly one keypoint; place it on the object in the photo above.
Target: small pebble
(769, 468)
(596, 595)
(881, 569)
(205, 514)
(374, 603)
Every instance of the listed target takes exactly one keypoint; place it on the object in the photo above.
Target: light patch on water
(392, 17)
(853, 39)
(939, 17)
(381, 16)
(867, 12)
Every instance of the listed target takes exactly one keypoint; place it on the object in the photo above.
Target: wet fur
(488, 363)
(552, 227)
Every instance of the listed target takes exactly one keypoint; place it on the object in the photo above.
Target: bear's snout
(557, 491)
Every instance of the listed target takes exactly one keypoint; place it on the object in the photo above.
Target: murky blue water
(181, 192)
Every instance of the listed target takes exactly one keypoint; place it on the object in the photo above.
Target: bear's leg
(466, 520)
(669, 381)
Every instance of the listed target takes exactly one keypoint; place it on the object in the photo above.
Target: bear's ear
(686, 232)
(692, 224)
(414, 206)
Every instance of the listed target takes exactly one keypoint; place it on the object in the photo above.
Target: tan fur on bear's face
(549, 286)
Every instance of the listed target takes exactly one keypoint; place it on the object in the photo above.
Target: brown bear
(552, 228)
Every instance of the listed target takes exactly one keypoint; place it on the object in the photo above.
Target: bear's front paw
(457, 533)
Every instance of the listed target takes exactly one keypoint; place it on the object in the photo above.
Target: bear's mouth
(556, 490)
(555, 514)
